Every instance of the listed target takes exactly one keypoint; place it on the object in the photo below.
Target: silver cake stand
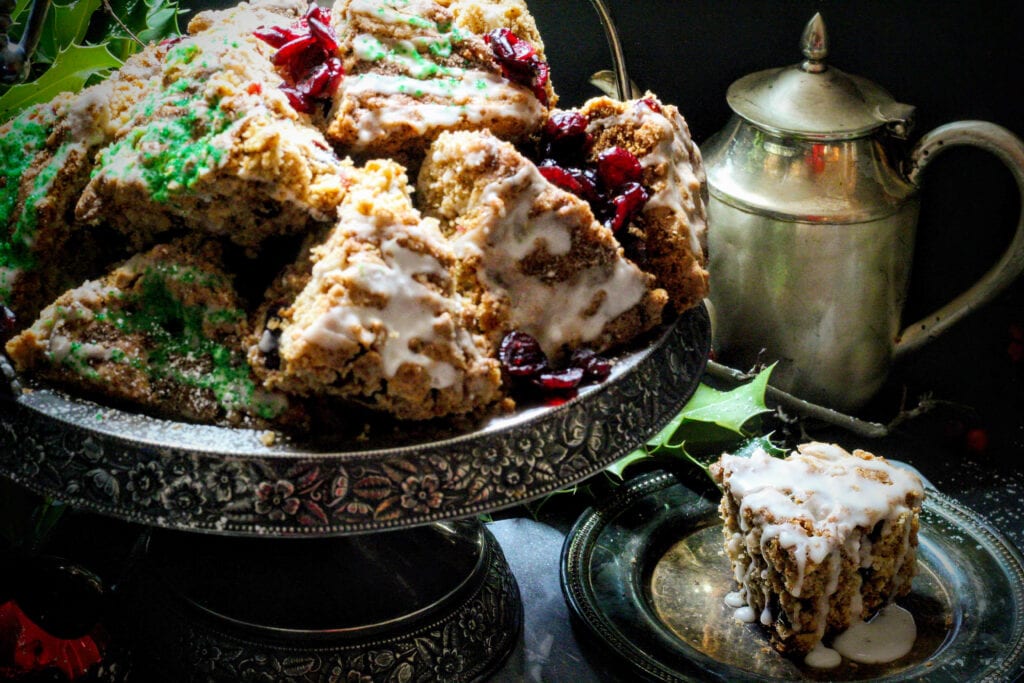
(333, 557)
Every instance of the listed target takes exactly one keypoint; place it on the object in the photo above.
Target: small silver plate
(646, 573)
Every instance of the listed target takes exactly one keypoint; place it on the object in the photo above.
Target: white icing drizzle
(812, 503)
(411, 311)
(436, 96)
(474, 98)
(511, 232)
(821, 657)
(888, 636)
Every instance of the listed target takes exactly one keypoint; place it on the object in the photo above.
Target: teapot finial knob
(814, 44)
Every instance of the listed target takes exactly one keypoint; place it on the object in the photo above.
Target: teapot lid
(813, 99)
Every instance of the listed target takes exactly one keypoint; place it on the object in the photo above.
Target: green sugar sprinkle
(174, 152)
(174, 331)
(177, 331)
(19, 148)
(182, 53)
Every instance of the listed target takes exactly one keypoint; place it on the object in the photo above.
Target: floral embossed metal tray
(365, 477)
(646, 574)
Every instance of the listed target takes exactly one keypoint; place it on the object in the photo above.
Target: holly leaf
(65, 25)
(619, 466)
(729, 409)
(709, 417)
(146, 20)
(69, 72)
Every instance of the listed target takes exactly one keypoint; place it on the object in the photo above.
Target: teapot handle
(1009, 148)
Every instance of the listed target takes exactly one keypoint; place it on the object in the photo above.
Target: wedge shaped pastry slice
(163, 331)
(531, 255)
(369, 313)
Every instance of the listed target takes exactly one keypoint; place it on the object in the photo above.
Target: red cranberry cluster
(307, 58)
(612, 185)
(520, 62)
(523, 359)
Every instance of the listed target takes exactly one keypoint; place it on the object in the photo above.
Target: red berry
(627, 205)
(299, 102)
(519, 61)
(565, 124)
(521, 356)
(274, 36)
(581, 182)
(316, 82)
(617, 166)
(595, 367)
(565, 138)
(293, 50)
(318, 13)
(558, 176)
(324, 34)
(569, 378)
(337, 72)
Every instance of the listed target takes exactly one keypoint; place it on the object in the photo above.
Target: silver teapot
(812, 219)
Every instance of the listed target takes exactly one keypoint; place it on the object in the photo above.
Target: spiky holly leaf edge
(81, 43)
(710, 419)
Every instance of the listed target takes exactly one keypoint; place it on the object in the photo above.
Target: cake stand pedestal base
(430, 603)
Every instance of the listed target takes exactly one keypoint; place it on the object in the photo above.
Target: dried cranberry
(8, 323)
(324, 34)
(337, 70)
(627, 205)
(521, 355)
(306, 55)
(595, 367)
(293, 50)
(562, 380)
(274, 36)
(300, 103)
(318, 13)
(581, 182)
(316, 82)
(617, 167)
(519, 61)
(565, 124)
(565, 137)
(560, 177)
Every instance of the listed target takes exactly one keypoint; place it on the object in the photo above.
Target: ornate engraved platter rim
(288, 493)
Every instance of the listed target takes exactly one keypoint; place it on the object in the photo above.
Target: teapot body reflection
(812, 217)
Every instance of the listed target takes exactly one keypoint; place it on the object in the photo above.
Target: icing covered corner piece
(668, 237)
(818, 540)
(531, 256)
(163, 331)
(216, 145)
(412, 71)
(369, 312)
